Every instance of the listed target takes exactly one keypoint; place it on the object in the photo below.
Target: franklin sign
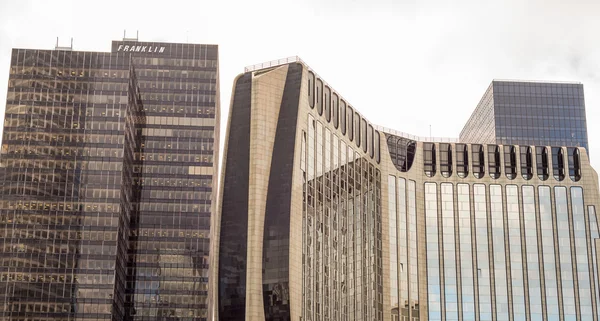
(126, 48)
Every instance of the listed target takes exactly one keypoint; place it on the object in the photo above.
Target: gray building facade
(536, 113)
(325, 216)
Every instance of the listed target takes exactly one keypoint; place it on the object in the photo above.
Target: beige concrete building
(325, 216)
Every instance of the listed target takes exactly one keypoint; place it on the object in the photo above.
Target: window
(462, 160)
(327, 102)
(526, 162)
(319, 96)
(478, 161)
(311, 89)
(370, 139)
(494, 161)
(363, 134)
(446, 159)
(574, 164)
(429, 161)
(510, 161)
(357, 129)
(541, 160)
(335, 110)
(558, 164)
(377, 147)
(350, 123)
(342, 108)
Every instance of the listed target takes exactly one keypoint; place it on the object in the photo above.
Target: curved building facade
(325, 216)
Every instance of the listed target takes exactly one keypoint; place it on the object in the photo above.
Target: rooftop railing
(541, 82)
(274, 63)
(415, 137)
(283, 61)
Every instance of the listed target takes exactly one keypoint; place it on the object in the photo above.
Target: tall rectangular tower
(168, 271)
(521, 112)
(106, 179)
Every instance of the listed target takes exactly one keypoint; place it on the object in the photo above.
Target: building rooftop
(538, 81)
(415, 137)
(296, 59)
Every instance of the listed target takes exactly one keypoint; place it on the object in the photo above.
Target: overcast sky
(404, 64)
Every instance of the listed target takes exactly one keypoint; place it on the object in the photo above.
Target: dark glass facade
(234, 211)
(276, 239)
(63, 215)
(535, 113)
(169, 256)
(106, 183)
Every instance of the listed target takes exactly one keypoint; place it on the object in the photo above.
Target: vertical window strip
(319, 224)
(368, 269)
(327, 150)
(342, 112)
(564, 247)
(500, 269)
(303, 153)
(359, 239)
(433, 254)
(482, 248)
(303, 159)
(413, 254)
(337, 246)
(335, 110)
(531, 247)
(516, 255)
(327, 230)
(393, 244)
(547, 235)
(344, 239)
(581, 253)
(593, 236)
(403, 255)
(310, 221)
(376, 244)
(351, 236)
(466, 253)
(319, 149)
(449, 254)
(336, 148)
(350, 123)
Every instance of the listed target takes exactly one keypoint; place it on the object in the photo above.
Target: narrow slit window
(446, 159)
(574, 164)
(429, 159)
(526, 162)
(541, 162)
(558, 163)
(494, 161)
(478, 161)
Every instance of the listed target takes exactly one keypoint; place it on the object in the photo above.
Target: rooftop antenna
(430, 137)
(130, 39)
(57, 47)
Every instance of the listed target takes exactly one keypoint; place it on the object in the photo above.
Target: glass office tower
(519, 112)
(169, 256)
(327, 217)
(106, 182)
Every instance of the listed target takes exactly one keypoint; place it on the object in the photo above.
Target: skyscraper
(325, 216)
(521, 112)
(106, 171)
